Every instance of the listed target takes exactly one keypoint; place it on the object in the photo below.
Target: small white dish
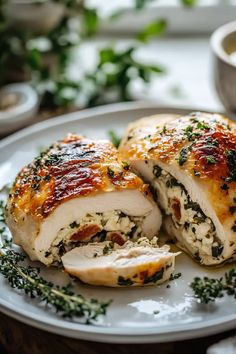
(18, 104)
(223, 44)
(34, 16)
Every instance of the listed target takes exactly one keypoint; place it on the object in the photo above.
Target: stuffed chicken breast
(134, 264)
(77, 191)
(190, 163)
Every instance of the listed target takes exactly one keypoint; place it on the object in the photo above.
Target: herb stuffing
(231, 162)
(124, 282)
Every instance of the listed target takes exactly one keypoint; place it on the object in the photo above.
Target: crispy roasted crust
(202, 145)
(73, 167)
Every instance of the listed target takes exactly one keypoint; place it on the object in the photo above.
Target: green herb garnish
(188, 131)
(2, 211)
(209, 289)
(124, 282)
(211, 160)
(203, 126)
(231, 162)
(174, 183)
(62, 299)
(110, 172)
(157, 171)
(155, 277)
(74, 225)
(106, 249)
(216, 250)
(197, 173)
(126, 165)
(183, 156)
(175, 276)
(115, 138)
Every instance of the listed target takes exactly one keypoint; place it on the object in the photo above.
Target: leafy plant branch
(44, 59)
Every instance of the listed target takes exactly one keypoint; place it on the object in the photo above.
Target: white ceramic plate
(131, 317)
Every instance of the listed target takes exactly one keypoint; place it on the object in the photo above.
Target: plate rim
(90, 112)
(105, 333)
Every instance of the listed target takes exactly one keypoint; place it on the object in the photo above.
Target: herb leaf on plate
(209, 289)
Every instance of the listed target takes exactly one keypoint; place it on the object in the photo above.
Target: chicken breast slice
(99, 264)
(190, 162)
(78, 190)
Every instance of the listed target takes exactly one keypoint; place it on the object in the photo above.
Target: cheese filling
(112, 226)
(194, 226)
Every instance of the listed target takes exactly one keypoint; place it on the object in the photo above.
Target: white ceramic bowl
(223, 44)
(40, 17)
(20, 114)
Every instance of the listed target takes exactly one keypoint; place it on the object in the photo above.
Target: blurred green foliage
(22, 58)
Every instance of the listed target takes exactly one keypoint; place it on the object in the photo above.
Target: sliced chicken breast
(78, 190)
(131, 265)
(190, 163)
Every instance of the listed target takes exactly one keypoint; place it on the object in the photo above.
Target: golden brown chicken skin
(75, 166)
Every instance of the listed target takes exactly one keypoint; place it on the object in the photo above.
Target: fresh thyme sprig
(27, 279)
(62, 299)
(209, 289)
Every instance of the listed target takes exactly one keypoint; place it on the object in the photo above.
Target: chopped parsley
(157, 171)
(147, 136)
(224, 186)
(216, 250)
(188, 132)
(231, 162)
(125, 165)
(183, 156)
(209, 289)
(203, 126)
(101, 235)
(52, 159)
(192, 205)
(175, 276)
(110, 172)
(211, 160)
(155, 277)
(106, 249)
(233, 228)
(173, 183)
(232, 209)
(196, 173)
(2, 211)
(124, 282)
(74, 225)
(164, 130)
